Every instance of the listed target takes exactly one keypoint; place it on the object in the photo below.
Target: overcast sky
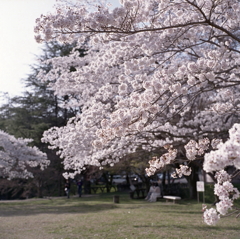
(17, 45)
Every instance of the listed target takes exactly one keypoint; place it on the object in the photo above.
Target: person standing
(79, 185)
(67, 188)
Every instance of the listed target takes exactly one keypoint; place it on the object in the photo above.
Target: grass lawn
(98, 217)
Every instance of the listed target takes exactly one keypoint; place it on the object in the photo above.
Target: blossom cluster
(211, 216)
(15, 155)
(226, 193)
(182, 170)
(158, 163)
(227, 154)
(193, 148)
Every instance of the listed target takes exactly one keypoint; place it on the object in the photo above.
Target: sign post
(200, 188)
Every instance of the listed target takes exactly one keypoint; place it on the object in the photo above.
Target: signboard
(200, 186)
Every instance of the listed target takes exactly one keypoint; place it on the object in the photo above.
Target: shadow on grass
(53, 207)
(89, 204)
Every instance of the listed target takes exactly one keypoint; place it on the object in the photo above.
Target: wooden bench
(173, 198)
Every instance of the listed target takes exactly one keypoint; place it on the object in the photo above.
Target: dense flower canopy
(16, 156)
(156, 72)
(151, 66)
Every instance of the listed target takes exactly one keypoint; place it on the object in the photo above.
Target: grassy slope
(99, 217)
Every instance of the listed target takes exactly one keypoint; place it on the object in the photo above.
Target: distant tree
(16, 156)
(37, 110)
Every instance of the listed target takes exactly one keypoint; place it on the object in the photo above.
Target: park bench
(173, 198)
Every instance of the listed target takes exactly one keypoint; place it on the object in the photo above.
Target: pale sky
(17, 45)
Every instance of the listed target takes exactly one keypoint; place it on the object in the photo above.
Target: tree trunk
(39, 188)
(60, 186)
(192, 181)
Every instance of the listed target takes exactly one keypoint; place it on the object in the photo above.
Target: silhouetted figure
(67, 188)
(79, 185)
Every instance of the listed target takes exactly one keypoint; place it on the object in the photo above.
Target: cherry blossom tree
(16, 156)
(156, 73)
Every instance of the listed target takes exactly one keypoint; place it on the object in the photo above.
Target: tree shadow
(10, 210)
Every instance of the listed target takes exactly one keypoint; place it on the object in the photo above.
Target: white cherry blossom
(165, 72)
(16, 155)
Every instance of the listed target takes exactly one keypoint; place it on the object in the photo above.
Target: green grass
(98, 217)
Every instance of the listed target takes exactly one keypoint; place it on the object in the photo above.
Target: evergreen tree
(28, 116)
